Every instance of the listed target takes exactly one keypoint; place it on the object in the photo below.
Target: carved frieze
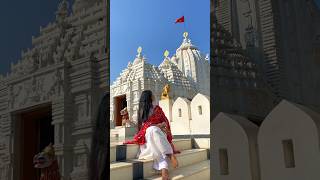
(36, 89)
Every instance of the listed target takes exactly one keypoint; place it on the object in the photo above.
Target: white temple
(51, 95)
(187, 72)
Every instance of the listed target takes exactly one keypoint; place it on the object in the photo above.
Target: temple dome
(140, 69)
(182, 86)
(193, 64)
(172, 73)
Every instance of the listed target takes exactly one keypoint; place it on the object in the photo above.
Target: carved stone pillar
(61, 119)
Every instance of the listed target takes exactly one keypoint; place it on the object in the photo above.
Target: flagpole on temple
(184, 25)
(181, 20)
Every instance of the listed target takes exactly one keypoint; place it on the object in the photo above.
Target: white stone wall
(185, 116)
(286, 146)
(200, 114)
(181, 116)
(235, 140)
(289, 143)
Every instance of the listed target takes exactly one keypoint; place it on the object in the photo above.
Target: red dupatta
(157, 117)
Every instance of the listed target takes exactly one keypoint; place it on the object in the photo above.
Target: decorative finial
(139, 50)
(166, 53)
(185, 35)
(207, 57)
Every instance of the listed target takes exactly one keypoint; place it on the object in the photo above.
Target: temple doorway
(120, 102)
(34, 131)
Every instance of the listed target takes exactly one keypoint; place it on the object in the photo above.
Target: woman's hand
(129, 142)
(161, 125)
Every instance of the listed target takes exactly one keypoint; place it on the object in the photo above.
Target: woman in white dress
(154, 135)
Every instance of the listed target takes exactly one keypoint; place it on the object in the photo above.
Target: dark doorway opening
(120, 102)
(35, 133)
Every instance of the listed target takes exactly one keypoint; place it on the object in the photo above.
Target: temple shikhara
(265, 76)
(51, 94)
(183, 75)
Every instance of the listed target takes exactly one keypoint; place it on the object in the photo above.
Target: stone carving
(36, 89)
(13, 93)
(57, 86)
(39, 76)
(165, 92)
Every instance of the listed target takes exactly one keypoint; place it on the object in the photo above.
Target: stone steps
(132, 169)
(193, 163)
(199, 171)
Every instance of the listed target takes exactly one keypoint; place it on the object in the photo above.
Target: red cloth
(180, 20)
(51, 172)
(157, 117)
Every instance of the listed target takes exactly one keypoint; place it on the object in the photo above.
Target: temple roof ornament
(186, 43)
(166, 54)
(139, 57)
(139, 50)
(62, 11)
(78, 5)
(185, 35)
(207, 57)
(129, 64)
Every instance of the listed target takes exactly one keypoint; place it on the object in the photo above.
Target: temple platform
(122, 132)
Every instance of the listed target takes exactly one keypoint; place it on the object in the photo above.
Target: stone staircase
(193, 163)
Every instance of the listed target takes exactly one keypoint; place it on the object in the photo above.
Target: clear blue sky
(150, 24)
(20, 20)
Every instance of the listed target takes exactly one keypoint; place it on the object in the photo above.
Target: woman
(99, 158)
(154, 136)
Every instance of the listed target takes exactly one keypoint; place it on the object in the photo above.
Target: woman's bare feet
(165, 174)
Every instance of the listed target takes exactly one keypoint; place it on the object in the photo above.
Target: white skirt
(156, 147)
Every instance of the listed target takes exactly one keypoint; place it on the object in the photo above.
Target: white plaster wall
(238, 136)
(166, 106)
(180, 125)
(200, 123)
(299, 124)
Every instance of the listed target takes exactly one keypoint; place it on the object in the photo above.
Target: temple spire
(166, 54)
(62, 11)
(139, 50)
(186, 39)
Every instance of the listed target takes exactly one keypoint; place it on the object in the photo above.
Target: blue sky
(150, 24)
(20, 20)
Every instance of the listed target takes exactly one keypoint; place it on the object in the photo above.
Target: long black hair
(145, 104)
(99, 157)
